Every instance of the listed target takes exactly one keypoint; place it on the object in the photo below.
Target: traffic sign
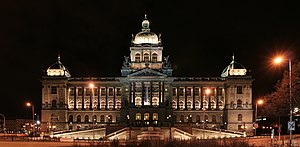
(291, 125)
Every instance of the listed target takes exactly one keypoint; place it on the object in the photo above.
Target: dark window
(103, 91)
(181, 119)
(102, 118)
(189, 91)
(213, 119)
(78, 118)
(137, 57)
(71, 92)
(95, 118)
(239, 90)
(53, 90)
(197, 91)
(154, 57)
(181, 91)
(219, 91)
(109, 118)
(88, 91)
(53, 103)
(110, 91)
(80, 91)
(86, 118)
(146, 57)
(198, 119)
(118, 91)
(71, 118)
(240, 117)
(174, 92)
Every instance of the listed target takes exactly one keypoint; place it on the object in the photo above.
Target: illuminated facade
(147, 95)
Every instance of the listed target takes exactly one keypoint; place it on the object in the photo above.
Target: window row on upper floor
(146, 57)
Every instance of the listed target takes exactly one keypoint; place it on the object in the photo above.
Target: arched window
(239, 103)
(53, 103)
(138, 101)
(102, 119)
(240, 117)
(138, 116)
(174, 105)
(146, 116)
(198, 119)
(95, 118)
(70, 118)
(137, 57)
(231, 104)
(78, 118)
(181, 105)
(155, 101)
(146, 57)
(181, 119)
(197, 105)
(190, 118)
(213, 119)
(109, 118)
(154, 57)
(86, 118)
(189, 105)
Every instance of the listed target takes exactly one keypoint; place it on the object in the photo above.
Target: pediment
(146, 72)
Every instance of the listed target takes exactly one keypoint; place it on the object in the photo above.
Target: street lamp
(259, 102)
(28, 104)
(278, 60)
(207, 92)
(92, 88)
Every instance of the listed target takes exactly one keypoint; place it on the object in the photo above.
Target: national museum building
(146, 97)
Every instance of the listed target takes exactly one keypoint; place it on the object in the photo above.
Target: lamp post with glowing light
(278, 60)
(28, 104)
(92, 88)
(259, 102)
(207, 92)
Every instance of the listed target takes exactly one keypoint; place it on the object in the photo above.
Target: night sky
(93, 36)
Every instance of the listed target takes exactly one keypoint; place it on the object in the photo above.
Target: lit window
(155, 116)
(181, 105)
(138, 116)
(155, 101)
(138, 101)
(174, 105)
(189, 105)
(146, 116)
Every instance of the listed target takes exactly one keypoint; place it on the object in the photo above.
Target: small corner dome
(234, 69)
(145, 36)
(58, 69)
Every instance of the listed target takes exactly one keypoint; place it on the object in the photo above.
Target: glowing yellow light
(207, 91)
(278, 60)
(91, 85)
(260, 102)
(28, 104)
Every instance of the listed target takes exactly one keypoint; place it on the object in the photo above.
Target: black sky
(93, 36)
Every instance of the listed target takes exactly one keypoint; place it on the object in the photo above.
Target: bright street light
(279, 60)
(91, 85)
(28, 104)
(259, 102)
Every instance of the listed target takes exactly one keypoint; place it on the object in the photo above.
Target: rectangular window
(219, 91)
(80, 91)
(88, 92)
(181, 91)
(189, 91)
(174, 92)
(103, 91)
(197, 91)
(53, 89)
(239, 90)
(110, 91)
(118, 93)
(71, 91)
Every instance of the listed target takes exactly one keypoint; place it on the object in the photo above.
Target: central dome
(145, 36)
